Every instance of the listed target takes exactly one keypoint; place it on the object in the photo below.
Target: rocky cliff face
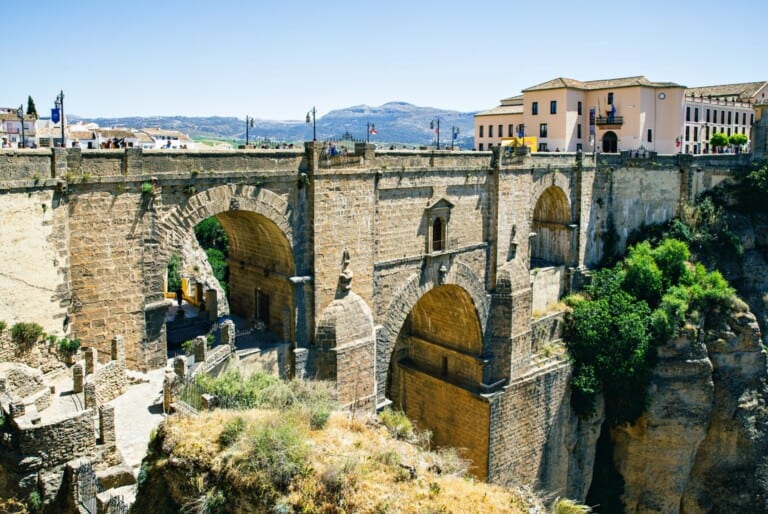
(702, 446)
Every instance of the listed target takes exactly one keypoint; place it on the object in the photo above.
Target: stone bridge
(425, 279)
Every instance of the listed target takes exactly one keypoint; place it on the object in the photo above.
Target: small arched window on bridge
(437, 216)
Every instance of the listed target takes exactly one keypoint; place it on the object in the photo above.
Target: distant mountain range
(396, 122)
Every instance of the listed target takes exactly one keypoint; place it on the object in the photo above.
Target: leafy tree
(210, 234)
(31, 110)
(608, 338)
(718, 140)
(758, 178)
(174, 275)
(738, 139)
(218, 262)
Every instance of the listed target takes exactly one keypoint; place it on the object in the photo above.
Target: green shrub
(232, 430)
(397, 423)
(642, 277)
(3, 325)
(174, 275)
(34, 502)
(69, 345)
(277, 452)
(26, 333)
(566, 506)
(188, 346)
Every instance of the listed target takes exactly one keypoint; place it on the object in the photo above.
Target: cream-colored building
(624, 114)
(728, 109)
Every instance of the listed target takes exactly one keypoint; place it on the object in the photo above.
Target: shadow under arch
(406, 298)
(261, 260)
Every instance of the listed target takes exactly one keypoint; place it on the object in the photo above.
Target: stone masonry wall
(521, 419)
(57, 442)
(111, 381)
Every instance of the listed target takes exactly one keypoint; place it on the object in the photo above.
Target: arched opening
(550, 249)
(436, 372)
(551, 218)
(438, 235)
(258, 296)
(610, 142)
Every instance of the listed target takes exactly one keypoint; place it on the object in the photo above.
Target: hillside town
(630, 114)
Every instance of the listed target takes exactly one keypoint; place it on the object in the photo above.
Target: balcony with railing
(611, 119)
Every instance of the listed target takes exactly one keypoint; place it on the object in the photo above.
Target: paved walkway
(137, 413)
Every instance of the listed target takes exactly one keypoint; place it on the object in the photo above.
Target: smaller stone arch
(550, 227)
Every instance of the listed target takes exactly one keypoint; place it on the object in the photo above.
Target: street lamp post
(432, 124)
(454, 136)
(370, 128)
(20, 114)
(60, 106)
(312, 119)
(248, 123)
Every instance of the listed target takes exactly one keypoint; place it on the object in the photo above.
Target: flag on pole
(373, 131)
(55, 115)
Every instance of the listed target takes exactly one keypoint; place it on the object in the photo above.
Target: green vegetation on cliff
(642, 301)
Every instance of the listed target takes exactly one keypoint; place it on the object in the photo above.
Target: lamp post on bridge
(20, 114)
(59, 103)
(432, 124)
(454, 136)
(312, 119)
(248, 123)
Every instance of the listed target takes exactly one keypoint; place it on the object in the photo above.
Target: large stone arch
(436, 370)
(249, 214)
(406, 298)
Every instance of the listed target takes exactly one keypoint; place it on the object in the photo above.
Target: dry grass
(354, 465)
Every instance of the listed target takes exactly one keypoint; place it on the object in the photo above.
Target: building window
(650, 135)
(706, 132)
(542, 147)
(481, 132)
(687, 134)
(610, 98)
(752, 119)
(722, 117)
(480, 147)
(695, 133)
(553, 107)
(743, 118)
(729, 117)
(578, 131)
(696, 114)
(535, 108)
(729, 131)
(438, 235)
(578, 108)
(501, 131)
(511, 130)
(490, 130)
(687, 114)
(707, 115)
(521, 129)
(543, 130)
(578, 147)
(714, 115)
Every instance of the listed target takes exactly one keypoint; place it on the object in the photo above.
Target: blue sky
(275, 60)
